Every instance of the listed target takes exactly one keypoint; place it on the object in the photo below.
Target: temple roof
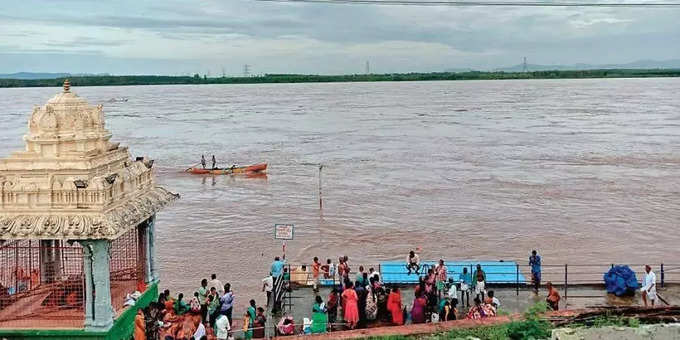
(71, 182)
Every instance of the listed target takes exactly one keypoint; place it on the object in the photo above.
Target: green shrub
(634, 322)
(612, 320)
(485, 333)
(528, 329)
(533, 326)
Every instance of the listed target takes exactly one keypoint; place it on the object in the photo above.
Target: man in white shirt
(200, 331)
(268, 286)
(214, 282)
(492, 300)
(372, 273)
(328, 270)
(453, 291)
(222, 327)
(648, 289)
(413, 262)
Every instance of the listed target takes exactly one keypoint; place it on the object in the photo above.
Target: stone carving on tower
(72, 182)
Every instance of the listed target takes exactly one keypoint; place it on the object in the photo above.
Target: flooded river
(585, 171)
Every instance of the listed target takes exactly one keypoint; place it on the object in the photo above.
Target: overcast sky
(186, 37)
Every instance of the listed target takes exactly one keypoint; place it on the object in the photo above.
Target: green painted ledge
(122, 327)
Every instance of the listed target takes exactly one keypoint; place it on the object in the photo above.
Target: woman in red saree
(351, 307)
(394, 307)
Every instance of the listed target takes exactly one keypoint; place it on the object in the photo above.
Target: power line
(481, 3)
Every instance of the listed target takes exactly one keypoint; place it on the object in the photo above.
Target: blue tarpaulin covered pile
(621, 280)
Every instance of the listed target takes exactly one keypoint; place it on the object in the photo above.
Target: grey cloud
(504, 33)
(84, 42)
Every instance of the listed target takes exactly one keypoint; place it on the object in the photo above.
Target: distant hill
(640, 64)
(38, 75)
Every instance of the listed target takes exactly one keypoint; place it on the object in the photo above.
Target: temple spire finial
(67, 86)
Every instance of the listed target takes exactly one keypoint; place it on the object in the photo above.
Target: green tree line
(310, 78)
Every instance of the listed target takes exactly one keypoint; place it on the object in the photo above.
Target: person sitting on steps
(413, 262)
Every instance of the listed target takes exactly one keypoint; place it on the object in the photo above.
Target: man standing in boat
(214, 163)
(203, 161)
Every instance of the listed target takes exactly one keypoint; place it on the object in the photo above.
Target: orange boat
(234, 170)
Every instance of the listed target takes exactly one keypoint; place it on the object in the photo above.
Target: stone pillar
(47, 261)
(102, 314)
(43, 260)
(142, 255)
(56, 258)
(89, 284)
(151, 250)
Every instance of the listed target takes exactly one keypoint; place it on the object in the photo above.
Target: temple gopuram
(76, 228)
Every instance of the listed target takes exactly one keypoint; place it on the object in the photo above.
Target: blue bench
(497, 272)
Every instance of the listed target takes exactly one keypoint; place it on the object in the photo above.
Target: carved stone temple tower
(76, 227)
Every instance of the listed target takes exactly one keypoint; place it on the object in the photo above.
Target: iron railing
(560, 275)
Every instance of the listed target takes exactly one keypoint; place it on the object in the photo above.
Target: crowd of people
(208, 312)
(357, 299)
(360, 298)
(363, 298)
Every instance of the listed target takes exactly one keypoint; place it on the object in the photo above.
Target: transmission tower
(368, 67)
(246, 70)
(223, 73)
(525, 69)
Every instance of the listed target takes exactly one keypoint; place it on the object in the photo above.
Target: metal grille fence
(561, 275)
(41, 284)
(127, 267)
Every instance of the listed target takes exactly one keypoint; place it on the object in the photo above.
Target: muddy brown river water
(585, 171)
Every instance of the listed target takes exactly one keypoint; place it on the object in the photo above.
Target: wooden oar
(662, 299)
(189, 168)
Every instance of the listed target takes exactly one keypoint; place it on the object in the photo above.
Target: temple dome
(70, 172)
(67, 124)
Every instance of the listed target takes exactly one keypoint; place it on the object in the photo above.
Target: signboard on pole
(284, 231)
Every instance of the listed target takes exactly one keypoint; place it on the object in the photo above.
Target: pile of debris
(665, 314)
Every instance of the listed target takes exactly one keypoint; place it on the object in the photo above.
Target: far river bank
(197, 79)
